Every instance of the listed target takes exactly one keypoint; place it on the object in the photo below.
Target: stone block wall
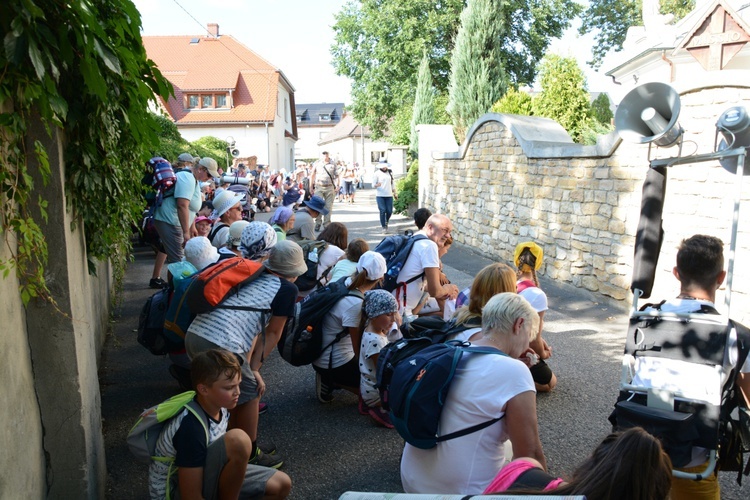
(582, 204)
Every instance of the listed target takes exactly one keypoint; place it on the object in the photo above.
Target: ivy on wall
(79, 66)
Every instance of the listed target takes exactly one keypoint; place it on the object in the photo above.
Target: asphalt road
(330, 449)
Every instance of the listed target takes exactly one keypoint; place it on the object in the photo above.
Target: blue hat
(316, 203)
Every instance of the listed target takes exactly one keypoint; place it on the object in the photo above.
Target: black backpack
(301, 342)
(151, 323)
(311, 251)
(436, 327)
(396, 249)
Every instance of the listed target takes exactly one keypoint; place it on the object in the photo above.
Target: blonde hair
(491, 280)
(502, 311)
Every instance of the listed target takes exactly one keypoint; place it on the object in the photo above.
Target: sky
(296, 36)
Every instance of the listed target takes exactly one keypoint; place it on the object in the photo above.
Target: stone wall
(51, 433)
(521, 178)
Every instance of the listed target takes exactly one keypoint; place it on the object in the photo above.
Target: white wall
(249, 139)
(307, 145)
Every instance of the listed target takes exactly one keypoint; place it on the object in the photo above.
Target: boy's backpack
(311, 251)
(215, 229)
(414, 380)
(214, 284)
(151, 324)
(301, 342)
(144, 434)
(396, 249)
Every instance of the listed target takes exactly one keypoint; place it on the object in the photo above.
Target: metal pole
(735, 223)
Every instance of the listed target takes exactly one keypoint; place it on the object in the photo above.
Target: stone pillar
(432, 138)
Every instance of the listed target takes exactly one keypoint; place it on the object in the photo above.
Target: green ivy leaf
(108, 57)
(36, 59)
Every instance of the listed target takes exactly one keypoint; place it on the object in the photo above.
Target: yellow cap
(535, 250)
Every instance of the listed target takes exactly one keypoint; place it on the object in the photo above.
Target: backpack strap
(402, 285)
(215, 230)
(482, 425)
(196, 409)
(524, 284)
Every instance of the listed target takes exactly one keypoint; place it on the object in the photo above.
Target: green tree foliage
(600, 109)
(514, 102)
(612, 18)
(80, 67)
(377, 44)
(564, 97)
(424, 103)
(441, 110)
(399, 130)
(171, 144)
(407, 189)
(210, 146)
(477, 75)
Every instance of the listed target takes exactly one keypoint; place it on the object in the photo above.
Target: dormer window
(206, 101)
(324, 117)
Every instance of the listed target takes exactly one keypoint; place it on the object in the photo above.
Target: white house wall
(307, 145)
(249, 139)
(279, 151)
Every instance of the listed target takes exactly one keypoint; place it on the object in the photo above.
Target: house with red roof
(224, 89)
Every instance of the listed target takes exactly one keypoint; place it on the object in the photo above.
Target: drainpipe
(268, 148)
(671, 65)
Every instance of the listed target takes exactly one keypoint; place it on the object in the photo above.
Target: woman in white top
(338, 364)
(485, 387)
(383, 183)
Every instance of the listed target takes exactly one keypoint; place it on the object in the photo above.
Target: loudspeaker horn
(235, 153)
(734, 126)
(649, 113)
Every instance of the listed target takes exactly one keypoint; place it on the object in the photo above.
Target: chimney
(213, 29)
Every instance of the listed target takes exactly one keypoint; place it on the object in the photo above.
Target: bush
(407, 189)
(514, 102)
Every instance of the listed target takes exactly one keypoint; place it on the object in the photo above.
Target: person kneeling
(215, 467)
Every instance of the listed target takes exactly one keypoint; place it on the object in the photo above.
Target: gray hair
(503, 309)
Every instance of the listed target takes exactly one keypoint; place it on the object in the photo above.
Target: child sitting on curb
(217, 467)
(381, 310)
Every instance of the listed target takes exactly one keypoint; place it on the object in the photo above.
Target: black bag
(301, 342)
(436, 327)
(151, 323)
(311, 251)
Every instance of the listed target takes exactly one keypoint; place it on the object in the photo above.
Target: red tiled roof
(212, 64)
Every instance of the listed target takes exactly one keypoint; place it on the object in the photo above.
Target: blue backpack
(416, 384)
(396, 249)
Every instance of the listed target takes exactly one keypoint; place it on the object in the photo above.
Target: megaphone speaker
(649, 113)
(734, 125)
(235, 153)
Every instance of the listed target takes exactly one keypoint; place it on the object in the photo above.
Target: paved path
(330, 448)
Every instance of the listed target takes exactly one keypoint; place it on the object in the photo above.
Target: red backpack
(218, 282)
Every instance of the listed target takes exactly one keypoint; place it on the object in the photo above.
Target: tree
(612, 18)
(424, 102)
(477, 75)
(564, 97)
(399, 130)
(377, 43)
(514, 102)
(600, 109)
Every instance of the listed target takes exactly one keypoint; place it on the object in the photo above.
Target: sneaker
(266, 446)
(266, 460)
(262, 408)
(362, 408)
(381, 417)
(157, 283)
(323, 390)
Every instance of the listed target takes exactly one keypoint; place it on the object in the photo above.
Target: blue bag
(396, 249)
(419, 385)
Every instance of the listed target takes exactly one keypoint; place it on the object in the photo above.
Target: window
(207, 101)
(286, 111)
(375, 156)
(324, 117)
(221, 100)
(192, 101)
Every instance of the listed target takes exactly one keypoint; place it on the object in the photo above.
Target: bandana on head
(257, 240)
(379, 302)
